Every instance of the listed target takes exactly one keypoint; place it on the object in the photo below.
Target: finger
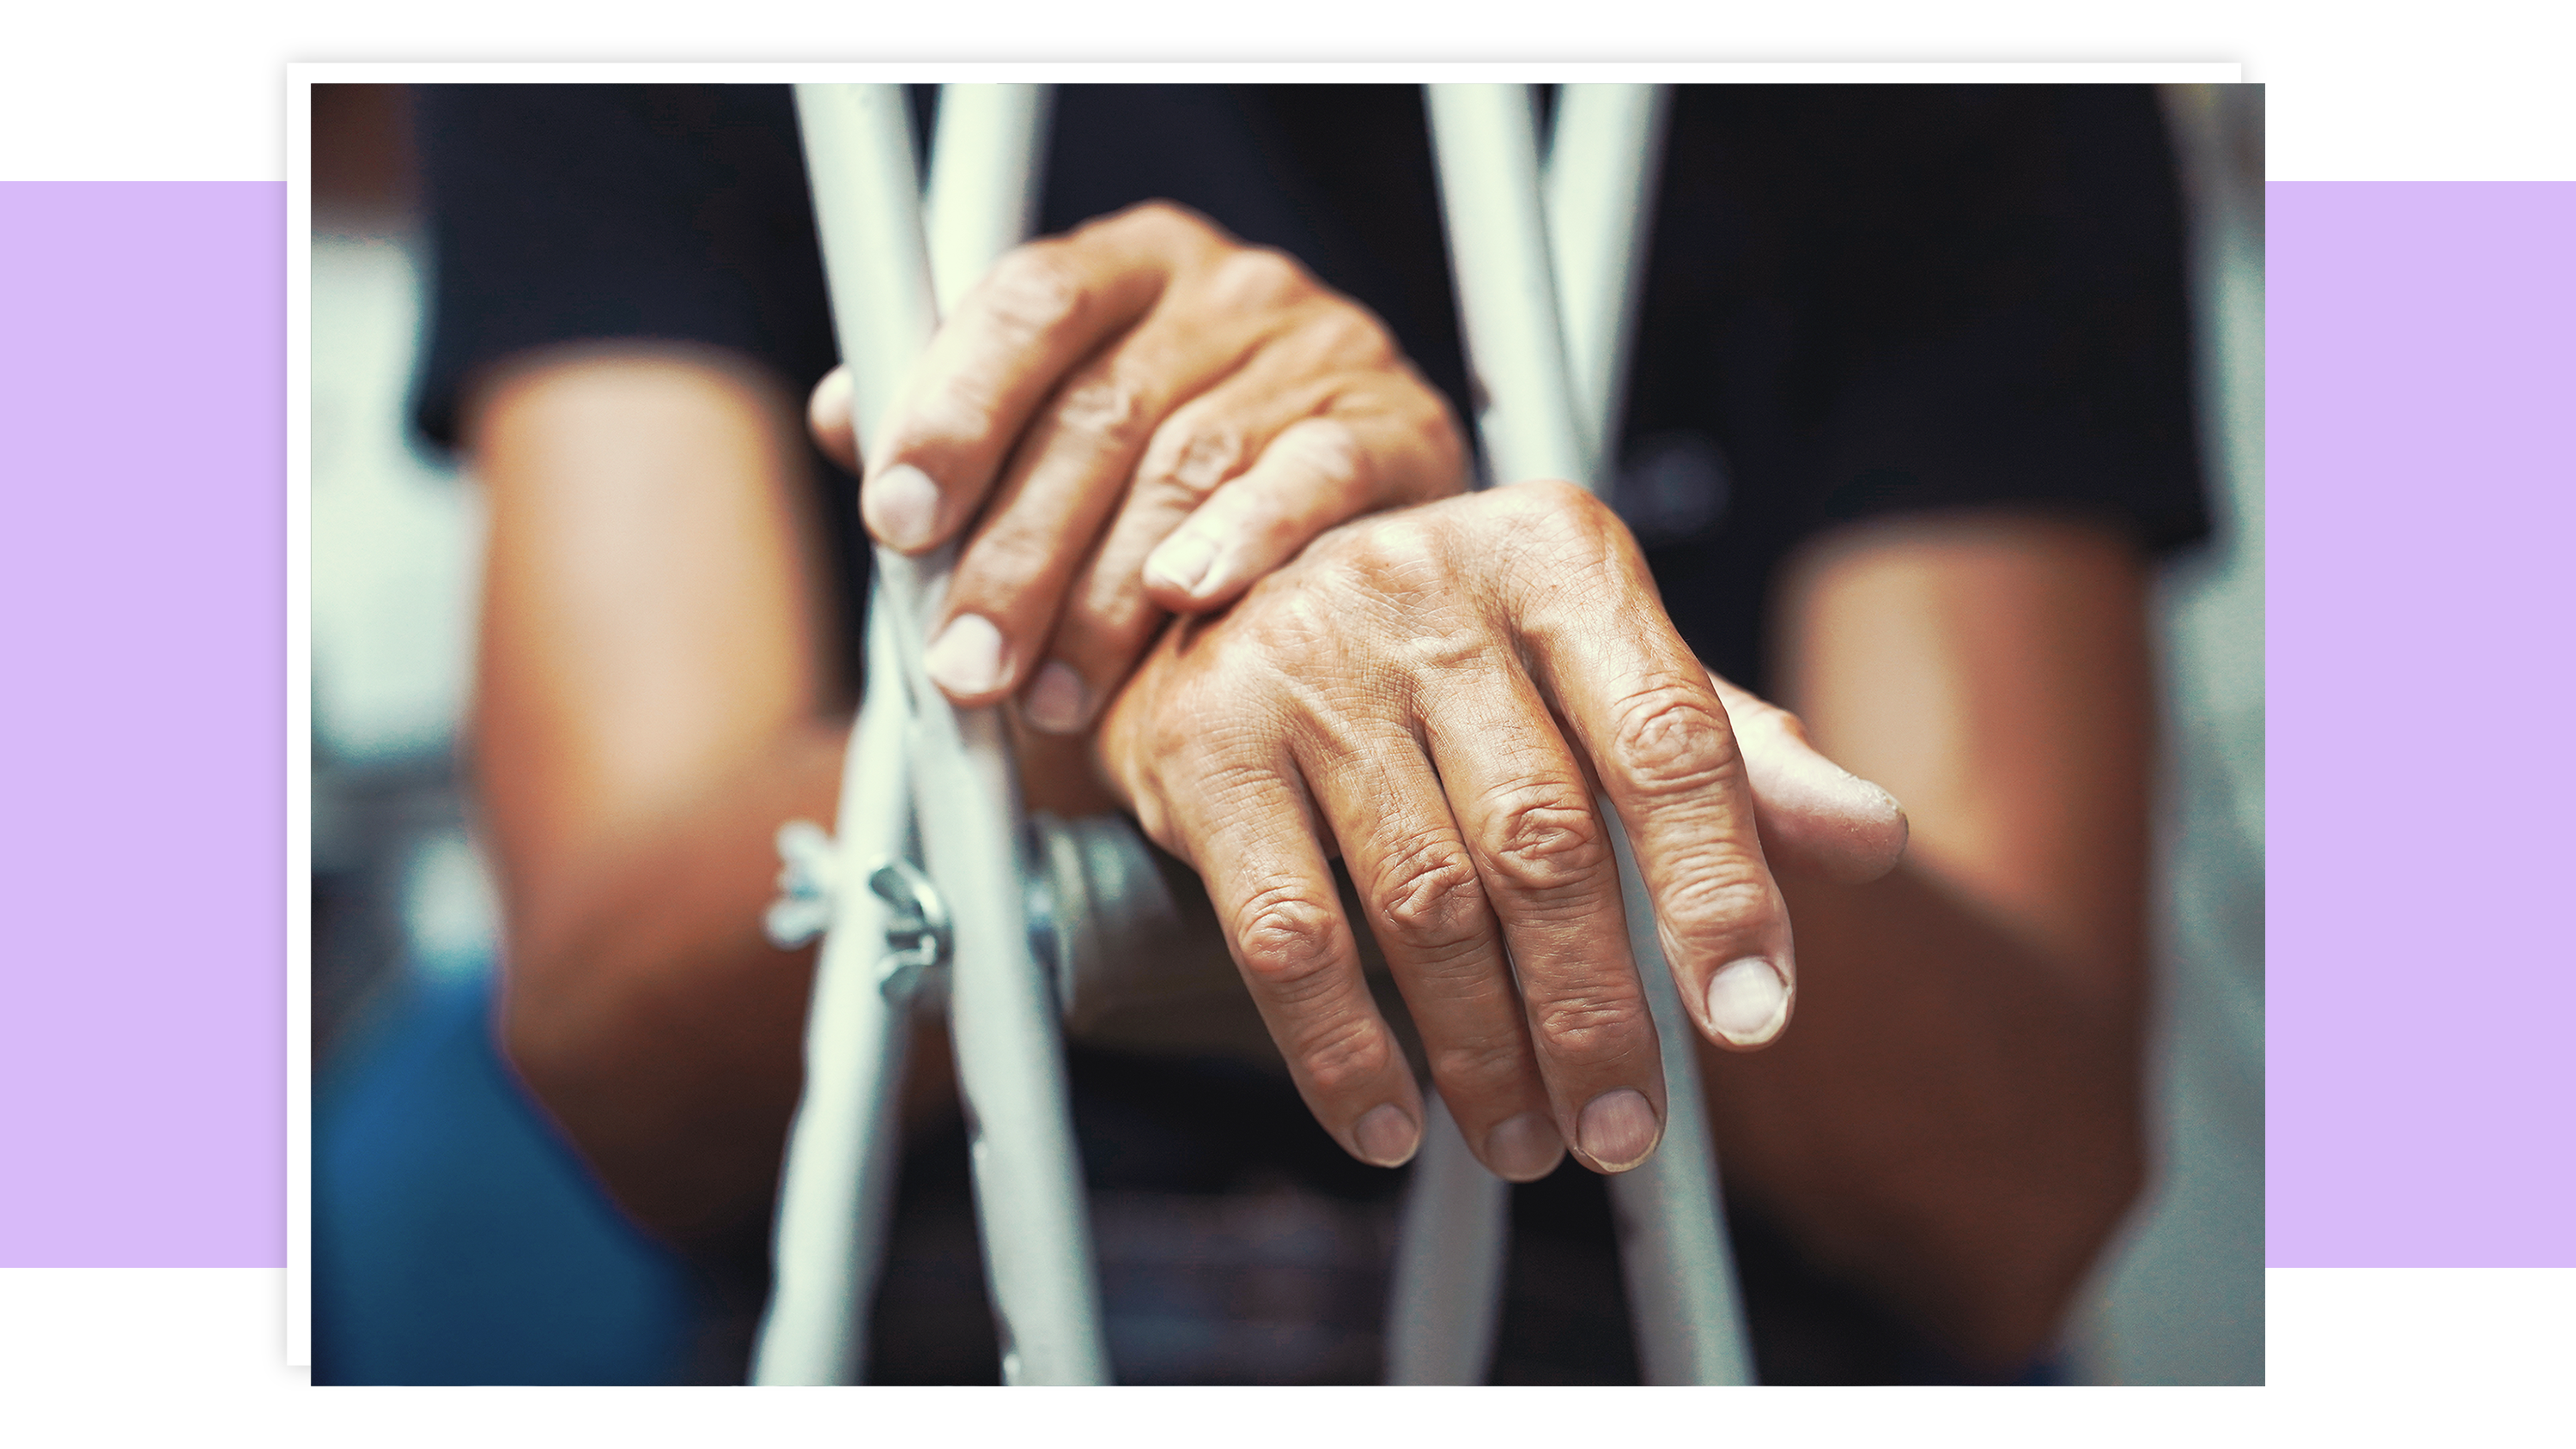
(1068, 475)
(1040, 311)
(1311, 480)
(1323, 450)
(1428, 911)
(1267, 879)
(827, 416)
(1316, 473)
(1544, 857)
(1656, 733)
(1108, 621)
(1335, 425)
(1810, 809)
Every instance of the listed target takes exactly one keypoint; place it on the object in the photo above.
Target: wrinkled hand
(1439, 693)
(1148, 415)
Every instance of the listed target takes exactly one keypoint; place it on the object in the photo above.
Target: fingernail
(966, 658)
(1182, 562)
(1748, 1002)
(1057, 701)
(1618, 1130)
(901, 506)
(1386, 1136)
(1524, 1149)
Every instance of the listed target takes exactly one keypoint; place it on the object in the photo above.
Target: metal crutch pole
(1602, 160)
(1601, 164)
(838, 1181)
(883, 925)
(1028, 1186)
(883, 929)
(1673, 1246)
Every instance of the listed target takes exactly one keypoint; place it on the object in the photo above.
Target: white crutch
(1547, 332)
(887, 925)
(886, 921)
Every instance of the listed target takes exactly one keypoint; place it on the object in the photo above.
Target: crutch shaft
(838, 1183)
(1028, 1183)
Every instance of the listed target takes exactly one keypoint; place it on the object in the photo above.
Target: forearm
(653, 699)
(1953, 1116)
(646, 1009)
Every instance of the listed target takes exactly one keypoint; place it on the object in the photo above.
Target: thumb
(827, 414)
(1808, 808)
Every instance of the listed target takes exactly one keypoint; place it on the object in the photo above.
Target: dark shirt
(1860, 301)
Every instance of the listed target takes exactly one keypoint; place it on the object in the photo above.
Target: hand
(1440, 694)
(1157, 414)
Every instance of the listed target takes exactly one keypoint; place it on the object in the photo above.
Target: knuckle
(1588, 1024)
(1561, 529)
(1288, 944)
(1345, 1053)
(1290, 633)
(1715, 902)
(1033, 290)
(1671, 739)
(1476, 1068)
(1347, 331)
(1258, 277)
(1110, 409)
(1431, 900)
(1397, 548)
(1187, 462)
(1546, 840)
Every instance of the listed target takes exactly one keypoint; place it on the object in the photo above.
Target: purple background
(2421, 1092)
(2421, 387)
(142, 701)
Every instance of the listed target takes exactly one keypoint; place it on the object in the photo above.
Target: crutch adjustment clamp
(918, 934)
(917, 931)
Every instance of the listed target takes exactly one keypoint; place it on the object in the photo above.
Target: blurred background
(456, 1239)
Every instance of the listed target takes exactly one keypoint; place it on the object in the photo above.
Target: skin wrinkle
(1105, 410)
(1424, 890)
(1255, 352)
(1586, 1027)
(1978, 1152)
(1444, 954)
(1034, 295)
(1388, 648)
(1429, 894)
(1694, 911)
(1290, 942)
(1543, 843)
(1668, 742)
(1345, 1052)
(1206, 456)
